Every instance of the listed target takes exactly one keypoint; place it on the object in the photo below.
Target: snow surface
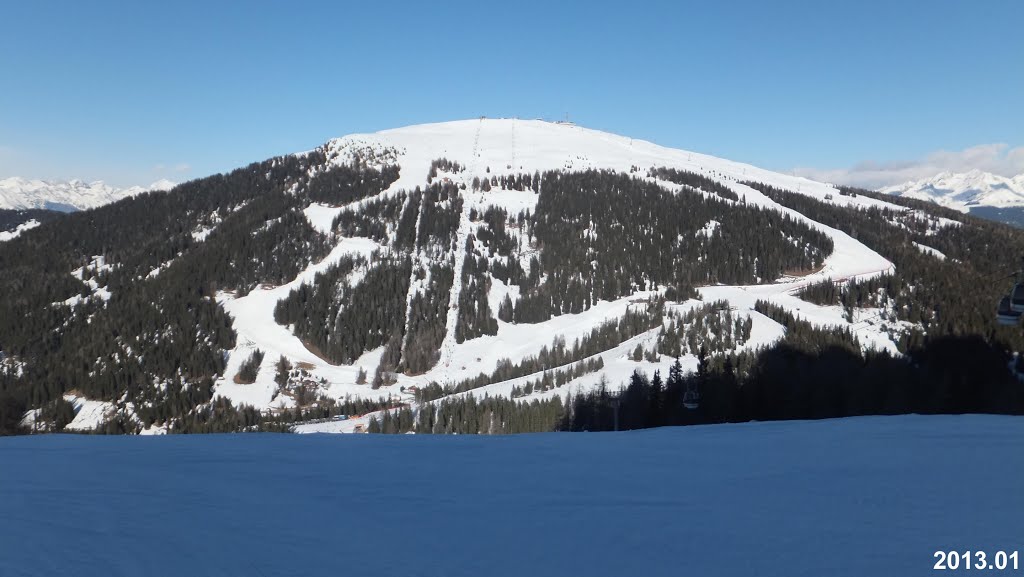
(929, 250)
(490, 147)
(11, 234)
(851, 497)
(66, 196)
(709, 229)
(966, 190)
(321, 216)
(89, 414)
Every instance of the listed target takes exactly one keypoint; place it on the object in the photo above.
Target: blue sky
(134, 91)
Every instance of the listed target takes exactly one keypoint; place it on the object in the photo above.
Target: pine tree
(675, 375)
(505, 309)
(657, 390)
(250, 368)
(283, 369)
(638, 353)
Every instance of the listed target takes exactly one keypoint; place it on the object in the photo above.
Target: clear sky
(133, 91)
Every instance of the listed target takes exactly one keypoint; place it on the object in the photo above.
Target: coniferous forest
(10, 219)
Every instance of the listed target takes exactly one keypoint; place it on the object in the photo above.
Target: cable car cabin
(1005, 315)
(691, 399)
(1017, 298)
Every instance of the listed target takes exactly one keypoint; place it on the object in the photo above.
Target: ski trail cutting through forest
(448, 343)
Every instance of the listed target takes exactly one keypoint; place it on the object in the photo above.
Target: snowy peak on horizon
(18, 193)
(965, 190)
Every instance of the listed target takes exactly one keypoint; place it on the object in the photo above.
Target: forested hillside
(450, 278)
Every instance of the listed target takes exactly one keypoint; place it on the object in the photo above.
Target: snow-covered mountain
(66, 196)
(427, 264)
(965, 191)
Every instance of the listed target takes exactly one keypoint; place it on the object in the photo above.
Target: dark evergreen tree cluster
(340, 322)
(711, 326)
(553, 379)
(519, 182)
(343, 184)
(852, 294)
(427, 323)
(490, 253)
(11, 219)
(325, 409)
(283, 370)
(445, 165)
(787, 381)
(467, 415)
(694, 181)
(825, 292)
(592, 249)
(269, 241)
(493, 235)
(375, 218)
(311, 309)
(475, 318)
(250, 368)
(219, 416)
(439, 217)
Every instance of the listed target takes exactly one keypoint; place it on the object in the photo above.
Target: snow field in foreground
(851, 497)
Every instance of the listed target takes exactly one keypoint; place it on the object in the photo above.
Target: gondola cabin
(1017, 298)
(1005, 315)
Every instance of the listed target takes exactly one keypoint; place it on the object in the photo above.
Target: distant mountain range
(980, 193)
(66, 196)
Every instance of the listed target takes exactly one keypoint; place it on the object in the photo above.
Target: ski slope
(254, 322)
(495, 147)
(851, 497)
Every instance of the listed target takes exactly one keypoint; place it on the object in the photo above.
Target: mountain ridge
(17, 193)
(964, 191)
